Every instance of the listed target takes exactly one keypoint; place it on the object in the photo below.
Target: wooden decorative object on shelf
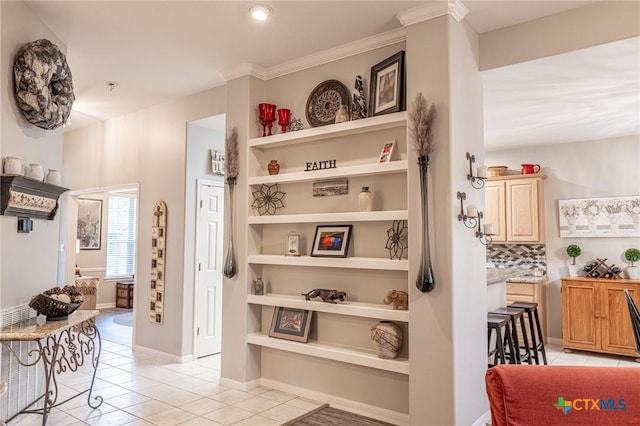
(158, 256)
(599, 269)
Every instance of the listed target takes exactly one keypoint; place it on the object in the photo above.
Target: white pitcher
(12, 166)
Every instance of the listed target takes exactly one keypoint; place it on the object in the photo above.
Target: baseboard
(382, 414)
(483, 419)
(554, 340)
(163, 355)
(243, 386)
(106, 305)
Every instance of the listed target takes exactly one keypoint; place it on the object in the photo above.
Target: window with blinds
(121, 236)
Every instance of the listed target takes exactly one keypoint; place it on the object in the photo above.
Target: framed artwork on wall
(89, 223)
(291, 324)
(599, 217)
(387, 85)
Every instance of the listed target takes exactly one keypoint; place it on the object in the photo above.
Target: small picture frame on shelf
(387, 85)
(291, 324)
(387, 151)
(331, 241)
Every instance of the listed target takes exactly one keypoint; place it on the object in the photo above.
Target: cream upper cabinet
(515, 207)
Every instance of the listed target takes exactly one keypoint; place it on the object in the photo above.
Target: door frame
(196, 257)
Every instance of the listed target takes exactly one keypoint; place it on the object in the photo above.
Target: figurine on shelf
(329, 296)
(295, 124)
(400, 300)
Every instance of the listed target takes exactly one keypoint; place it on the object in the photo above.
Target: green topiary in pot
(574, 251)
(632, 255)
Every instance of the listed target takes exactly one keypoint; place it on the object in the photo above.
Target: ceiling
(157, 51)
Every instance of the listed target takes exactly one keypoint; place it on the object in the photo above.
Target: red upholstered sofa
(563, 395)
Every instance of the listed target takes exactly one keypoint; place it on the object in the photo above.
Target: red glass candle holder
(284, 117)
(262, 109)
(270, 117)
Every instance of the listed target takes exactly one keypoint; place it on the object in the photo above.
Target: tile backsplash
(528, 256)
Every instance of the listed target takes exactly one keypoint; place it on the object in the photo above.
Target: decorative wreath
(43, 84)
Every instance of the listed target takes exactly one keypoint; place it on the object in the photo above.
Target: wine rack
(599, 269)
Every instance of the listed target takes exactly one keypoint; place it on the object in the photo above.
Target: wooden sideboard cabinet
(532, 293)
(515, 207)
(595, 316)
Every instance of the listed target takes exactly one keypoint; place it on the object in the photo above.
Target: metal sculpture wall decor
(420, 129)
(267, 200)
(43, 84)
(158, 256)
(397, 238)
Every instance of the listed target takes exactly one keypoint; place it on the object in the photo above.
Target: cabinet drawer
(519, 289)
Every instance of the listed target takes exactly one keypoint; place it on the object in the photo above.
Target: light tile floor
(140, 390)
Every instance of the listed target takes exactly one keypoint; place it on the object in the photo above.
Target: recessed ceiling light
(260, 12)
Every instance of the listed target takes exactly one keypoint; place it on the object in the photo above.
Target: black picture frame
(291, 324)
(331, 241)
(388, 85)
(89, 224)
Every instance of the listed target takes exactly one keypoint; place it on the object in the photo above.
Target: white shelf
(335, 353)
(354, 309)
(379, 216)
(329, 262)
(399, 166)
(388, 121)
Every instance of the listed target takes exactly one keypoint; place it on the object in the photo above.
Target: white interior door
(209, 275)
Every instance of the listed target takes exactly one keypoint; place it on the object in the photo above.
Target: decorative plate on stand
(324, 102)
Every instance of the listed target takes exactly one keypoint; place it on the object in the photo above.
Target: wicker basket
(495, 171)
(54, 309)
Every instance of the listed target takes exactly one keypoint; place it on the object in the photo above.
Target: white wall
(600, 168)
(29, 262)
(148, 147)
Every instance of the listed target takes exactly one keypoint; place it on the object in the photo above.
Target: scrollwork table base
(61, 346)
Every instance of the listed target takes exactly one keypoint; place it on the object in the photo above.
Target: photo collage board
(158, 256)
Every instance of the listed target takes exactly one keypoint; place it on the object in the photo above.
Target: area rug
(124, 319)
(328, 416)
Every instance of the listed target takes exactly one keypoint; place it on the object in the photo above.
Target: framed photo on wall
(387, 85)
(331, 241)
(291, 324)
(89, 223)
(217, 162)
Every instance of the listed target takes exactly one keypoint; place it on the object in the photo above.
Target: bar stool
(517, 316)
(498, 323)
(531, 309)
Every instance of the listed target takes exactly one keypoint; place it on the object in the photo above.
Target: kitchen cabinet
(595, 316)
(340, 332)
(533, 293)
(515, 207)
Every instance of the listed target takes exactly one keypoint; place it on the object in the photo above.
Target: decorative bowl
(55, 310)
(497, 171)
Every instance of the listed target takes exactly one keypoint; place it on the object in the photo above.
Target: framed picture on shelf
(387, 85)
(89, 223)
(387, 151)
(291, 324)
(331, 241)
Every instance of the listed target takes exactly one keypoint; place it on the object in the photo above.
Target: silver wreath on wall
(43, 84)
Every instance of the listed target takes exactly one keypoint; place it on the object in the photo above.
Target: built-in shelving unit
(357, 274)
(335, 353)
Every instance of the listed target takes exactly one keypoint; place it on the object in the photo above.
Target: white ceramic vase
(633, 272)
(574, 270)
(365, 200)
(54, 177)
(36, 171)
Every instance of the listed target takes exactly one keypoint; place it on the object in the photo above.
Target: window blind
(121, 236)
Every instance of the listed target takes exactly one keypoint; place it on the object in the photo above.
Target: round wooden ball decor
(43, 84)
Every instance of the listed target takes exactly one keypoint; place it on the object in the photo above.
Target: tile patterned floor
(140, 390)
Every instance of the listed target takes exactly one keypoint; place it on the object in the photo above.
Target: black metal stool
(531, 309)
(517, 316)
(498, 323)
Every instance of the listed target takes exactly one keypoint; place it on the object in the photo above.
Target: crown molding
(431, 10)
(242, 70)
(324, 57)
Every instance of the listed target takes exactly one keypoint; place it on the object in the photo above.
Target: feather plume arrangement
(421, 120)
(231, 165)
